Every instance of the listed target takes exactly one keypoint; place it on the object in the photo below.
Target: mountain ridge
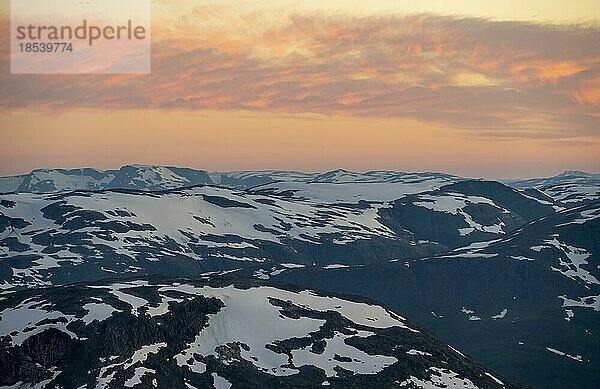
(569, 187)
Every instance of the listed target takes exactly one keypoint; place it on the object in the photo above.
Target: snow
(454, 203)
(105, 379)
(573, 192)
(495, 379)
(252, 309)
(361, 362)
(62, 182)
(439, 378)
(271, 175)
(577, 259)
(543, 202)
(353, 192)
(135, 302)
(261, 274)
(456, 351)
(450, 203)
(469, 255)
(585, 216)
(220, 382)
(568, 187)
(185, 217)
(335, 266)
(98, 311)
(163, 307)
(26, 316)
(569, 314)
(221, 272)
(473, 250)
(592, 302)
(501, 315)
(162, 177)
(140, 356)
(417, 352)
(292, 265)
(577, 358)
(183, 359)
(521, 258)
(137, 376)
(470, 313)
(159, 175)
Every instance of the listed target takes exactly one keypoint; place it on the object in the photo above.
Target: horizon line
(308, 172)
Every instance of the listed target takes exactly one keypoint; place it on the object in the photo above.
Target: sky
(482, 89)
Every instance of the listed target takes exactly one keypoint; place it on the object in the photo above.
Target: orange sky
(237, 88)
(237, 140)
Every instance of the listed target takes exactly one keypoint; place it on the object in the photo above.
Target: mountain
(508, 271)
(464, 212)
(153, 178)
(127, 177)
(348, 187)
(568, 187)
(80, 236)
(527, 303)
(218, 332)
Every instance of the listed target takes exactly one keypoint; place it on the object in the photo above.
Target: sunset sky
(510, 89)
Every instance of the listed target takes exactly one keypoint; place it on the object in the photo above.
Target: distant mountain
(219, 333)
(347, 187)
(128, 177)
(154, 178)
(568, 187)
(464, 212)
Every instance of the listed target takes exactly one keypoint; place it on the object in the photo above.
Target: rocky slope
(219, 333)
(527, 303)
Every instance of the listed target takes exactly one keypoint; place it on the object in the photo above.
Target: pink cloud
(508, 79)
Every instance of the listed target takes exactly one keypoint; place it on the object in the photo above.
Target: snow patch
(501, 315)
(577, 358)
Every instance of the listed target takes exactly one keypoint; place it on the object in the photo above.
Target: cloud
(498, 79)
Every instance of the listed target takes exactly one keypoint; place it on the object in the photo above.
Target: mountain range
(570, 186)
(507, 272)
